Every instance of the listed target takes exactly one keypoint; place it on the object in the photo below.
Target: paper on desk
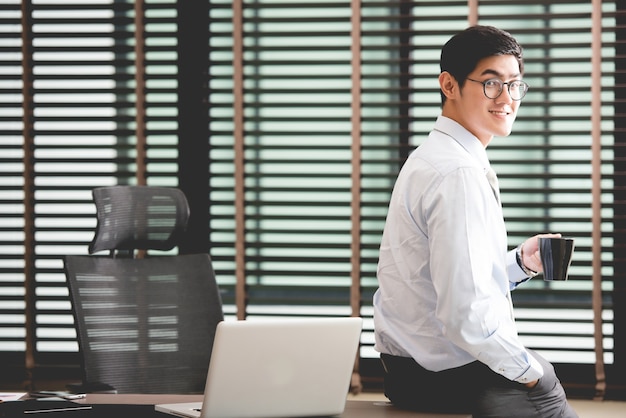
(11, 396)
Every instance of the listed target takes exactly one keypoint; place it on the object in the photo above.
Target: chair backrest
(144, 325)
(138, 217)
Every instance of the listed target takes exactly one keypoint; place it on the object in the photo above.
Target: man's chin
(505, 132)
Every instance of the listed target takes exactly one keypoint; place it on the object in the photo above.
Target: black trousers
(473, 389)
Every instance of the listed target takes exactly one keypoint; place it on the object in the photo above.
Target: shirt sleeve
(469, 268)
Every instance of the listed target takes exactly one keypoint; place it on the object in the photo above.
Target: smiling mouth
(499, 113)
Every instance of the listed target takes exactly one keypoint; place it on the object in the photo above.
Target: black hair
(461, 54)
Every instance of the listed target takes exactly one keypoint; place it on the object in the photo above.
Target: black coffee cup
(556, 257)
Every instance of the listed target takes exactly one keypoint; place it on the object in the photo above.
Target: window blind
(123, 92)
(81, 99)
(544, 167)
(545, 170)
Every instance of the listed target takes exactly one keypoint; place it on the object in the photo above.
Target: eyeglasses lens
(493, 89)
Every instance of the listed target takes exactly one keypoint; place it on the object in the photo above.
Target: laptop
(264, 368)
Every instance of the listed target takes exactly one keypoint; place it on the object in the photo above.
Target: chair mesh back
(145, 325)
(138, 217)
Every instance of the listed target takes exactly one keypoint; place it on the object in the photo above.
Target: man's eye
(492, 83)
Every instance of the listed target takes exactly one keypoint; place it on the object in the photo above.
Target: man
(442, 314)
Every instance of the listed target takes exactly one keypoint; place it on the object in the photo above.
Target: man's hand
(532, 384)
(530, 252)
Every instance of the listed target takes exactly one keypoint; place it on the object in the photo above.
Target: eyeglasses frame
(508, 88)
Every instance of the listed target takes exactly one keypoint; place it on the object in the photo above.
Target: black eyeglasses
(493, 88)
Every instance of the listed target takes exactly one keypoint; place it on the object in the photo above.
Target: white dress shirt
(444, 271)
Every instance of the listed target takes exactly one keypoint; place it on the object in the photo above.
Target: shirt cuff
(515, 272)
(534, 371)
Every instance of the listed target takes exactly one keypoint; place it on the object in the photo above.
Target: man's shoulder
(442, 154)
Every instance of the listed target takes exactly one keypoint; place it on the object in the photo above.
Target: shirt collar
(465, 138)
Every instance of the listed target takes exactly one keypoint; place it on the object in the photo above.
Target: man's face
(484, 117)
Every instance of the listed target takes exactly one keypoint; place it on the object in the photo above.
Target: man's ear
(449, 86)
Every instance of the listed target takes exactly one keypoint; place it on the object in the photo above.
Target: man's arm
(467, 234)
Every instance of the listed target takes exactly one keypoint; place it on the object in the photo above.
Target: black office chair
(144, 325)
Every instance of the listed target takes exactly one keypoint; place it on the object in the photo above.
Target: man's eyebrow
(489, 71)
